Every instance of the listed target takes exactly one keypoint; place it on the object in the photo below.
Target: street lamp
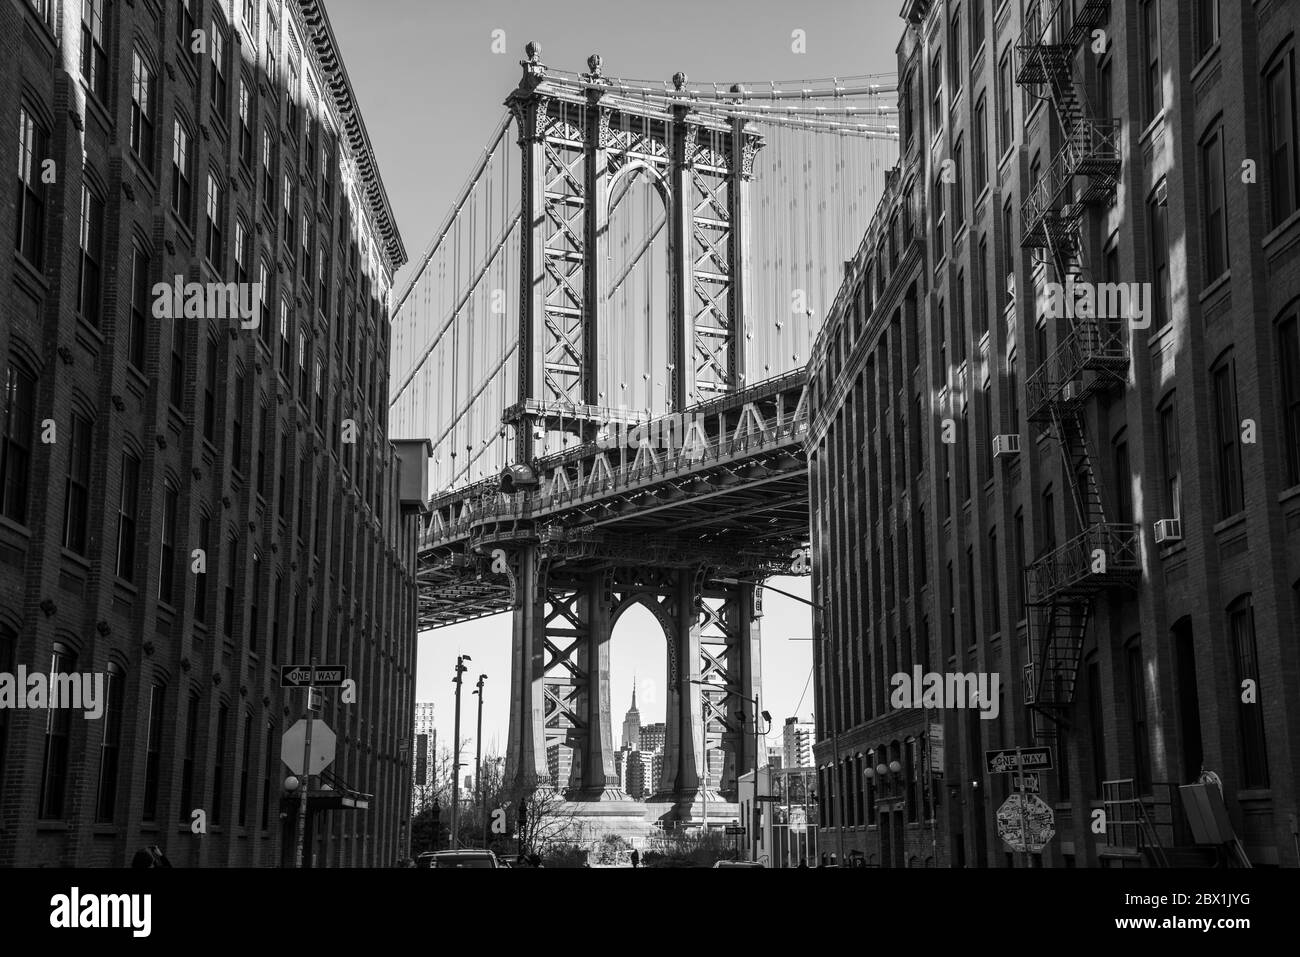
(455, 764)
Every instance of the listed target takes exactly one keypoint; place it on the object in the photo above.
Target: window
(94, 54)
(1096, 726)
(1280, 118)
(985, 439)
(182, 170)
(187, 761)
(292, 91)
(1138, 717)
(232, 576)
(220, 84)
(210, 391)
(276, 604)
(954, 51)
(219, 766)
(1123, 482)
(58, 725)
(33, 151)
(302, 366)
(142, 109)
(1288, 357)
(255, 604)
(979, 155)
(237, 426)
(153, 753)
(1158, 217)
(264, 302)
(1170, 465)
(1105, 88)
(1008, 251)
(1021, 598)
(8, 650)
(1215, 209)
(268, 170)
(288, 211)
(938, 214)
(936, 91)
(271, 769)
(245, 125)
(127, 510)
(1207, 26)
(16, 426)
(263, 436)
(977, 27)
(285, 359)
(306, 248)
(1013, 395)
(247, 757)
(1153, 83)
(167, 556)
(320, 395)
(185, 23)
(76, 489)
(201, 578)
(1006, 101)
(958, 195)
(1250, 714)
(980, 312)
(47, 10)
(213, 221)
(282, 491)
(959, 316)
(1049, 521)
(907, 109)
(110, 745)
(994, 591)
(92, 255)
(1228, 458)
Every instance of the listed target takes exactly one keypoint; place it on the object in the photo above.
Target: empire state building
(632, 725)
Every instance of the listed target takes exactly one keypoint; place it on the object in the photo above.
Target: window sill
(1229, 523)
(1209, 291)
(9, 526)
(31, 272)
(1206, 59)
(1286, 226)
(1286, 495)
(51, 826)
(1149, 131)
(93, 103)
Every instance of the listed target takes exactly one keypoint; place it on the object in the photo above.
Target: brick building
(190, 502)
(1102, 509)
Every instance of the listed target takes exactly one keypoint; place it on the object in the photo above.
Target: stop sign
(323, 742)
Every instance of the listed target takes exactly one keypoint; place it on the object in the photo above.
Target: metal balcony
(1100, 557)
(1092, 358)
(1046, 46)
(1092, 150)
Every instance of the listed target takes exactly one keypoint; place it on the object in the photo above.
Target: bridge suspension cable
(455, 360)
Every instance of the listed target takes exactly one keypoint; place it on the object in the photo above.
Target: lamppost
(478, 742)
(819, 634)
(455, 764)
(757, 748)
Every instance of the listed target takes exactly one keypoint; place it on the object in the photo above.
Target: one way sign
(299, 676)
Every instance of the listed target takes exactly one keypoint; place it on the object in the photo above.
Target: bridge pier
(563, 623)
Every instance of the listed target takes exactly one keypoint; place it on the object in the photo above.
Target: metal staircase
(1091, 358)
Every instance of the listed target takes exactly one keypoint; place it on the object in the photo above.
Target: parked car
(461, 858)
(737, 864)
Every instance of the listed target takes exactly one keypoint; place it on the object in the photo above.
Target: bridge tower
(578, 142)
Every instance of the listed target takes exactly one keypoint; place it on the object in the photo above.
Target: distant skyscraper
(797, 742)
(632, 724)
(425, 751)
(653, 736)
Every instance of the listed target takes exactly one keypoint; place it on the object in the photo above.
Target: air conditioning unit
(1072, 391)
(1006, 445)
(1169, 530)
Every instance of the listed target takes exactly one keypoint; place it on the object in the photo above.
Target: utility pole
(303, 851)
(455, 764)
(478, 744)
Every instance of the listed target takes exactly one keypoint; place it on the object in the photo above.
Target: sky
(431, 89)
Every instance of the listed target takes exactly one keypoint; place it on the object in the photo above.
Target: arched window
(1248, 692)
(1223, 380)
(1137, 697)
(110, 745)
(54, 770)
(153, 754)
(17, 424)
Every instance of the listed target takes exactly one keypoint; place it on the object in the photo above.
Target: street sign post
(300, 676)
(735, 829)
(1026, 822)
(1027, 781)
(1007, 760)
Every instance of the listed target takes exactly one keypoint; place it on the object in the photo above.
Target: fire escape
(1091, 359)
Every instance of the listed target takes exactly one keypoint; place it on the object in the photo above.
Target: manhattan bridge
(605, 343)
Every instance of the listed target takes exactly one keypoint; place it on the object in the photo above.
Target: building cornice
(354, 127)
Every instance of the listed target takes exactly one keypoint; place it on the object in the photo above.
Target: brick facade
(937, 344)
(257, 458)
